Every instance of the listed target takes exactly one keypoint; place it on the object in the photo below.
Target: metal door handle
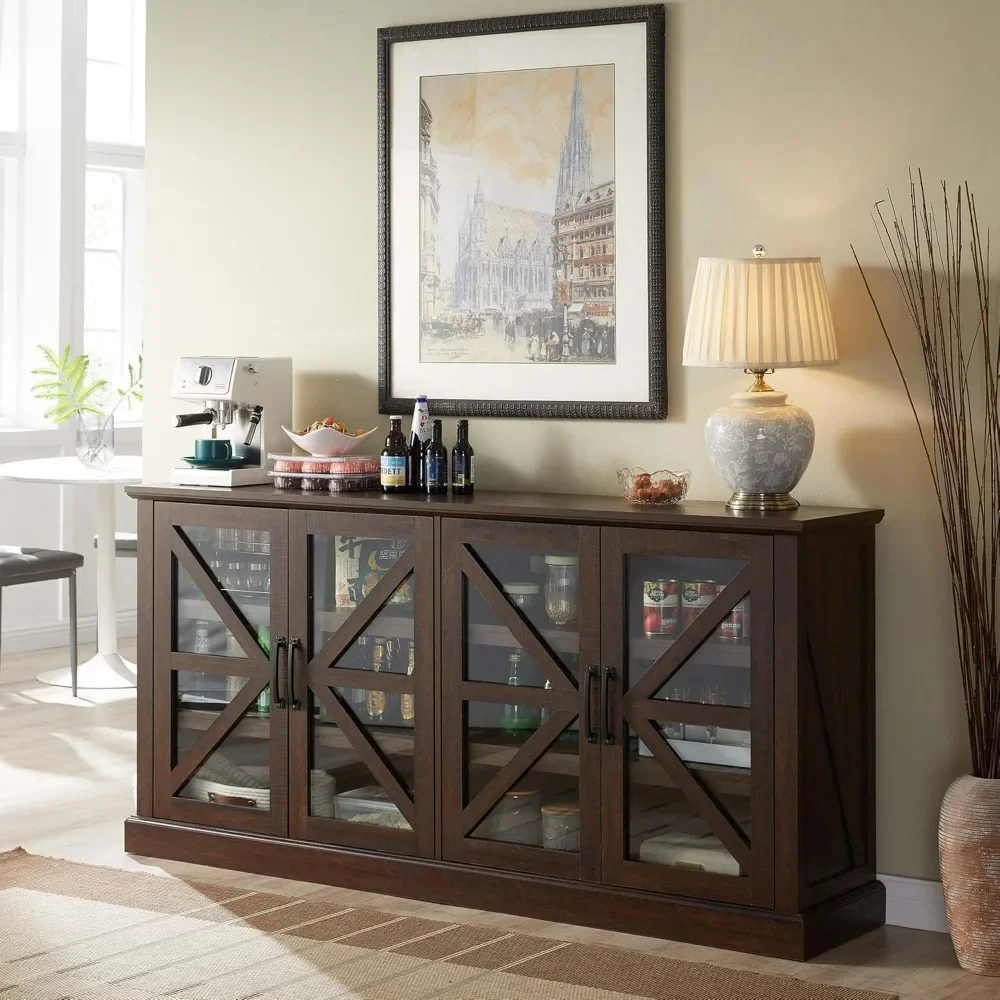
(588, 727)
(607, 675)
(293, 644)
(276, 700)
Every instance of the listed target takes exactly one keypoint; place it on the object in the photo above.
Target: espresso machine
(244, 400)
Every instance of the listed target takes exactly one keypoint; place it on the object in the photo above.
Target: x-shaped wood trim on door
(322, 675)
(368, 750)
(363, 615)
(515, 768)
(523, 630)
(188, 556)
(677, 654)
(693, 790)
(210, 739)
(256, 667)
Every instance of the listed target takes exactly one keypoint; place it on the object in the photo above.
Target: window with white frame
(72, 134)
(114, 192)
(11, 156)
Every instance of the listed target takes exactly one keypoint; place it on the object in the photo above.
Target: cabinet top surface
(575, 508)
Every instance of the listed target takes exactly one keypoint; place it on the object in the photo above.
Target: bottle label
(464, 476)
(393, 470)
(421, 425)
(435, 471)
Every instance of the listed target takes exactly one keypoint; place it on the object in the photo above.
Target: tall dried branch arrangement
(949, 300)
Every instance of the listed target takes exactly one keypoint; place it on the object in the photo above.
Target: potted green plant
(941, 263)
(66, 383)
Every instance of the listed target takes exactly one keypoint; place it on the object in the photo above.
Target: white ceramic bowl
(328, 443)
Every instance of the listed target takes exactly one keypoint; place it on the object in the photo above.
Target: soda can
(695, 597)
(733, 628)
(660, 607)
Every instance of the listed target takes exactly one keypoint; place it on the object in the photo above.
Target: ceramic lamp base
(760, 446)
(742, 500)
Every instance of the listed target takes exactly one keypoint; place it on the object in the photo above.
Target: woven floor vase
(969, 848)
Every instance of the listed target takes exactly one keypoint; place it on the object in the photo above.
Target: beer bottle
(436, 463)
(392, 468)
(420, 434)
(406, 706)
(463, 462)
(375, 701)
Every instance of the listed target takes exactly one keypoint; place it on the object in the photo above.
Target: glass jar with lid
(524, 595)
(562, 588)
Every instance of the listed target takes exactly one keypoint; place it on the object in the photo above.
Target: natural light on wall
(71, 189)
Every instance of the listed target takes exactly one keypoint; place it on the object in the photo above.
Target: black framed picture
(521, 243)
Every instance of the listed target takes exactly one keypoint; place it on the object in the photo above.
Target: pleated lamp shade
(760, 312)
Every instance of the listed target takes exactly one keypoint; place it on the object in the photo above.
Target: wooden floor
(66, 771)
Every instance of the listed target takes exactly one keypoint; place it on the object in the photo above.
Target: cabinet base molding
(791, 936)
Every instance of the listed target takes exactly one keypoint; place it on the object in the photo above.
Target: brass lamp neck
(759, 385)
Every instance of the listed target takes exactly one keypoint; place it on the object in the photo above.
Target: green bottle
(516, 718)
(264, 698)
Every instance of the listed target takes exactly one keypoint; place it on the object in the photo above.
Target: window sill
(13, 438)
(31, 437)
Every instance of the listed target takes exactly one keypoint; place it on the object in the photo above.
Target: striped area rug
(78, 932)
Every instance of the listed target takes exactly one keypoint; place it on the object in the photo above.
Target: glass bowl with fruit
(660, 487)
(328, 438)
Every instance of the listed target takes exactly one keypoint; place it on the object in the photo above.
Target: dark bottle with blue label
(435, 463)
(392, 468)
(463, 462)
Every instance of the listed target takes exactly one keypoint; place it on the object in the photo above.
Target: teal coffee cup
(213, 449)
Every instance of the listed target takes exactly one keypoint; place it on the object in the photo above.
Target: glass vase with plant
(66, 383)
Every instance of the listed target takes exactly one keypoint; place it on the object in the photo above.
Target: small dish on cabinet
(659, 487)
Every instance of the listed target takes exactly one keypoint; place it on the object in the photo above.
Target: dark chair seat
(26, 565)
(21, 564)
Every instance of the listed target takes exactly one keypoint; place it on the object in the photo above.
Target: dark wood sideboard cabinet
(653, 720)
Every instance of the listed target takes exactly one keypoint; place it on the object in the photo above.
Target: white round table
(107, 669)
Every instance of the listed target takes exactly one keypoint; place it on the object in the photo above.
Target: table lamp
(760, 314)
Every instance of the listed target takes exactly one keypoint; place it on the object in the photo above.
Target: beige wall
(786, 120)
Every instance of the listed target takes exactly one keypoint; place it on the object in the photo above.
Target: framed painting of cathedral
(521, 215)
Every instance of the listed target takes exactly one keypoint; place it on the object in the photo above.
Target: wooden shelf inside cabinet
(257, 611)
(396, 741)
(647, 771)
(711, 653)
(497, 635)
(387, 625)
(401, 627)
(231, 555)
(493, 748)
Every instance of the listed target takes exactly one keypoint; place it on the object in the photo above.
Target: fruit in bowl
(660, 487)
(328, 438)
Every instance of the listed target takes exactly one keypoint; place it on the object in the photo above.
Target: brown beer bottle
(392, 468)
(463, 470)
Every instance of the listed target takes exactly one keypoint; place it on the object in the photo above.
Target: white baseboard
(914, 902)
(31, 638)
